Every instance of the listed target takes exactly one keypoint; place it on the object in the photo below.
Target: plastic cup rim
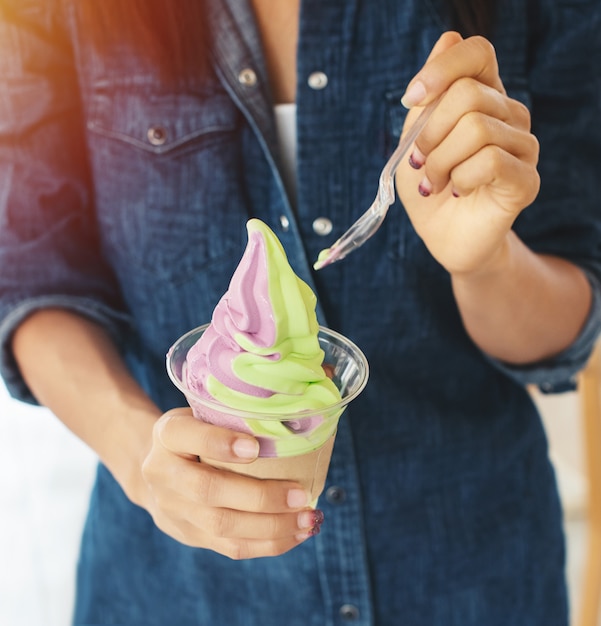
(215, 406)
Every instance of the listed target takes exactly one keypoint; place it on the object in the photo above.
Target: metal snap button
(247, 77)
(322, 226)
(285, 223)
(349, 612)
(157, 135)
(317, 80)
(335, 495)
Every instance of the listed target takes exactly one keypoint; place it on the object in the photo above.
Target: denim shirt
(126, 201)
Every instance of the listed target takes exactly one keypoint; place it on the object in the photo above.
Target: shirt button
(157, 135)
(349, 612)
(247, 77)
(317, 80)
(322, 226)
(335, 495)
(285, 223)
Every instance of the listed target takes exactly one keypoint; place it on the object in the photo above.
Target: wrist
(126, 448)
(496, 264)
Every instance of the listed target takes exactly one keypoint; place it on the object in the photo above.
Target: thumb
(415, 92)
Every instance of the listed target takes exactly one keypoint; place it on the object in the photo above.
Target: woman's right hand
(205, 507)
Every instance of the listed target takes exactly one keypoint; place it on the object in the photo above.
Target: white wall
(45, 477)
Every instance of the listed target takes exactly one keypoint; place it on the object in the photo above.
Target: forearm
(73, 368)
(527, 308)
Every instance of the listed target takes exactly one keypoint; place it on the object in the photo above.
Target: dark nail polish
(318, 517)
(315, 530)
(414, 163)
(423, 191)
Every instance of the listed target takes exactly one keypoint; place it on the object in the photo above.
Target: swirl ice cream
(261, 354)
(260, 367)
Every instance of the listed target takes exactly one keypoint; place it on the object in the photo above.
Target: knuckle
(209, 485)
(261, 496)
(483, 46)
(212, 441)
(479, 128)
(521, 113)
(277, 548)
(471, 133)
(271, 527)
(534, 186)
(161, 523)
(165, 524)
(164, 502)
(533, 146)
(218, 522)
(238, 550)
(182, 535)
(162, 428)
(494, 157)
(147, 471)
(468, 91)
(242, 549)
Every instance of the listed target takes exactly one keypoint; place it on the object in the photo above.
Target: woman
(134, 144)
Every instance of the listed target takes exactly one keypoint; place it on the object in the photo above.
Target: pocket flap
(162, 123)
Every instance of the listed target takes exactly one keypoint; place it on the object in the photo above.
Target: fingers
(224, 523)
(231, 524)
(469, 96)
(470, 117)
(237, 549)
(205, 506)
(506, 174)
(453, 58)
(235, 515)
(182, 434)
(460, 150)
(473, 113)
(181, 440)
(477, 146)
(203, 485)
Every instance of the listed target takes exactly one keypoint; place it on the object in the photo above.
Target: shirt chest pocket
(167, 195)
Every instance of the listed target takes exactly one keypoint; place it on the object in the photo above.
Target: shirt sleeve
(50, 252)
(565, 220)
(559, 374)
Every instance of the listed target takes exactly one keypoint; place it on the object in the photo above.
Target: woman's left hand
(474, 165)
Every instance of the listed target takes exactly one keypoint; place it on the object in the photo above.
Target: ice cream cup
(296, 446)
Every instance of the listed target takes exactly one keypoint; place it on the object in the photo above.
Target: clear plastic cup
(296, 446)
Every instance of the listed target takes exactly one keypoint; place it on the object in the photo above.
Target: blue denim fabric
(441, 506)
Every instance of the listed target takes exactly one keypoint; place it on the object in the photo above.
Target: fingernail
(415, 93)
(455, 193)
(416, 159)
(310, 519)
(315, 529)
(306, 534)
(297, 498)
(246, 448)
(425, 187)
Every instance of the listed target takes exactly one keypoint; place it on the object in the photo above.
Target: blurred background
(46, 475)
